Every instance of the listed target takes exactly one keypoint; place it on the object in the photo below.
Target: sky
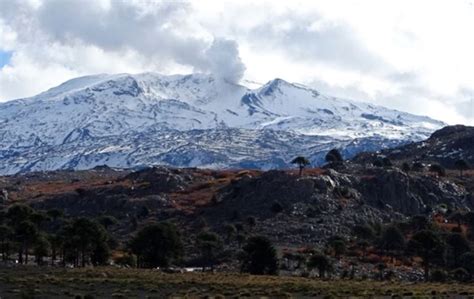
(415, 56)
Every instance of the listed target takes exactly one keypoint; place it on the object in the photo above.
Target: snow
(107, 118)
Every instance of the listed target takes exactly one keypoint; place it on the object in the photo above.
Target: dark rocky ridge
(444, 146)
(312, 208)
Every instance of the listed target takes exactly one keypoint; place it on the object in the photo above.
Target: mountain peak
(190, 120)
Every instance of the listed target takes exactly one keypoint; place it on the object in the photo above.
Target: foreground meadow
(108, 282)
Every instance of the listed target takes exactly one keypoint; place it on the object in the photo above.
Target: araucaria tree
(83, 240)
(392, 239)
(321, 262)
(157, 245)
(459, 245)
(461, 165)
(302, 162)
(429, 246)
(210, 245)
(259, 256)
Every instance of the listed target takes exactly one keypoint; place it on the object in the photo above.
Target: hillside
(321, 204)
(445, 146)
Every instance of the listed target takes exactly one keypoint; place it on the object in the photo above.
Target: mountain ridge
(91, 115)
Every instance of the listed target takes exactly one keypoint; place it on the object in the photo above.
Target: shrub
(277, 207)
(406, 167)
(460, 274)
(334, 156)
(439, 275)
(417, 166)
(438, 169)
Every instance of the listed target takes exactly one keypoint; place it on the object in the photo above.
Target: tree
(56, 242)
(210, 245)
(461, 165)
(338, 246)
(321, 262)
(240, 238)
(387, 162)
(458, 244)
(107, 221)
(334, 156)
(39, 218)
(457, 217)
(26, 233)
(82, 238)
(18, 213)
(438, 169)
(460, 274)
(417, 166)
(157, 245)
(230, 231)
(364, 232)
(429, 246)
(251, 222)
(101, 254)
(392, 239)
(406, 167)
(302, 162)
(420, 222)
(259, 256)
(6, 234)
(55, 214)
(41, 248)
(277, 207)
(377, 163)
(381, 267)
(467, 261)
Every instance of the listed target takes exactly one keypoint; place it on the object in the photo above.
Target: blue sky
(5, 57)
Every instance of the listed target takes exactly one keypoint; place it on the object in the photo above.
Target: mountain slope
(193, 120)
(444, 146)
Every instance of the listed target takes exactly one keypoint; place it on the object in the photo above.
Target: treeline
(47, 234)
(53, 239)
(443, 249)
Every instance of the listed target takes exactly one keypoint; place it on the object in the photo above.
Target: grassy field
(33, 282)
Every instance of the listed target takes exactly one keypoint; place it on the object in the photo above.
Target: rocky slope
(444, 146)
(292, 210)
(132, 120)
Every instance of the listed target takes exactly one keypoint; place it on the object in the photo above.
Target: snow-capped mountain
(190, 120)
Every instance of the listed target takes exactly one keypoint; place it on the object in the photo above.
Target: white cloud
(413, 56)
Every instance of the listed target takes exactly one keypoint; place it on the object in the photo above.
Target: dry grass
(132, 283)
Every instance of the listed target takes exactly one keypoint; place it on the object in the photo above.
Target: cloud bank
(415, 57)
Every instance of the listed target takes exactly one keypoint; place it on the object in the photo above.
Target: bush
(277, 207)
(334, 156)
(438, 169)
(406, 167)
(439, 276)
(312, 212)
(417, 166)
(364, 232)
(460, 274)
